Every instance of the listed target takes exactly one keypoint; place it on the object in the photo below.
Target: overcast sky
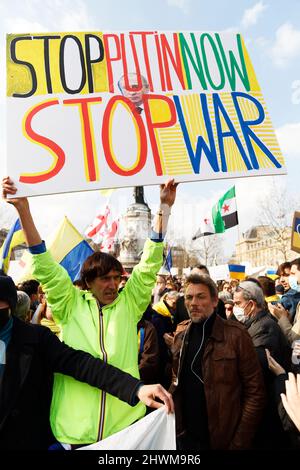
(271, 30)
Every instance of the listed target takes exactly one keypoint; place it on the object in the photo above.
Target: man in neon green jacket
(98, 320)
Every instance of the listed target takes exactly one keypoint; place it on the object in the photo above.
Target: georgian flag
(109, 236)
(223, 216)
(98, 227)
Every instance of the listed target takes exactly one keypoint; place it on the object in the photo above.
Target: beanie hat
(8, 291)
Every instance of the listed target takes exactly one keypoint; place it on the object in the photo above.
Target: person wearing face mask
(290, 328)
(249, 305)
(217, 387)
(29, 356)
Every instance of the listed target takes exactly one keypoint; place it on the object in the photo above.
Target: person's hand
(291, 398)
(168, 192)
(39, 313)
(148, 393)
(8, 187)
(296, 347)
(31, 234)
(274, 366)
(278, 311)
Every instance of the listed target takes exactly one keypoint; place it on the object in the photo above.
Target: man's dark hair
(282, 267)
(267, 285)
(30, 287)
(96, 265)
(296, 262)
(204, 280)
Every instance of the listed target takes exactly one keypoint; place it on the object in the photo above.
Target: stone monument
(136, 226)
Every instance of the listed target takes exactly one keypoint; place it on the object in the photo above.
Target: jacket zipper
(103, 393)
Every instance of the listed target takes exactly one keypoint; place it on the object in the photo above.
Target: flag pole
(238, 225)
(205, 253)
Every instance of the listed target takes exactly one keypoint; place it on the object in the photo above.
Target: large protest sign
(295, 239)
(109, 109)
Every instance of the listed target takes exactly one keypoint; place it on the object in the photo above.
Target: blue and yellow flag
(271, 273)
(168, 261)
(296, 233)
(67, 247)
(237, 271)
(14, 238)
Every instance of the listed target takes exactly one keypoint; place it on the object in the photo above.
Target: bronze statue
(138, 193)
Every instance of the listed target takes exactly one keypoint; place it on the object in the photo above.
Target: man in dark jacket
(249, 305)
(29, 355)
(148, 352)
(218, 385)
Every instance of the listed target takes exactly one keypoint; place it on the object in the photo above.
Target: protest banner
(295, 240)
(95, 110)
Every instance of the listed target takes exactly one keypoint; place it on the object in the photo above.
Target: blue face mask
(293, 283)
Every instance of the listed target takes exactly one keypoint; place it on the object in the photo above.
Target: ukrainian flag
(296, 234)
(67, 247)
(271, 273)
(14, 238)
(237, 271)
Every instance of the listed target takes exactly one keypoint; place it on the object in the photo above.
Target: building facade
(261, 246)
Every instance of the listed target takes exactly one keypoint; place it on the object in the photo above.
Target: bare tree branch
(275, 215)
(209, 250)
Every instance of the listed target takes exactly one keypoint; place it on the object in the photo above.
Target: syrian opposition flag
(223, 216)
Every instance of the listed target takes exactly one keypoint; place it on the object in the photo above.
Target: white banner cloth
(154, 432)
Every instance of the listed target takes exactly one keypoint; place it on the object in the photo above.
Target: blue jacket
(290, 301)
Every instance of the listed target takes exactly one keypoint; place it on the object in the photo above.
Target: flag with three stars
(223, 216)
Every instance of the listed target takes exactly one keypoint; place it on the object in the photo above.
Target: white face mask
(239, 314)
(293, 283)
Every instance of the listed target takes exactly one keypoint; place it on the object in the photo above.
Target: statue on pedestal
(138, 194)
(129, 244)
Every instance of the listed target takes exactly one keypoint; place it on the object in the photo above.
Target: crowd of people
(80, 362)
